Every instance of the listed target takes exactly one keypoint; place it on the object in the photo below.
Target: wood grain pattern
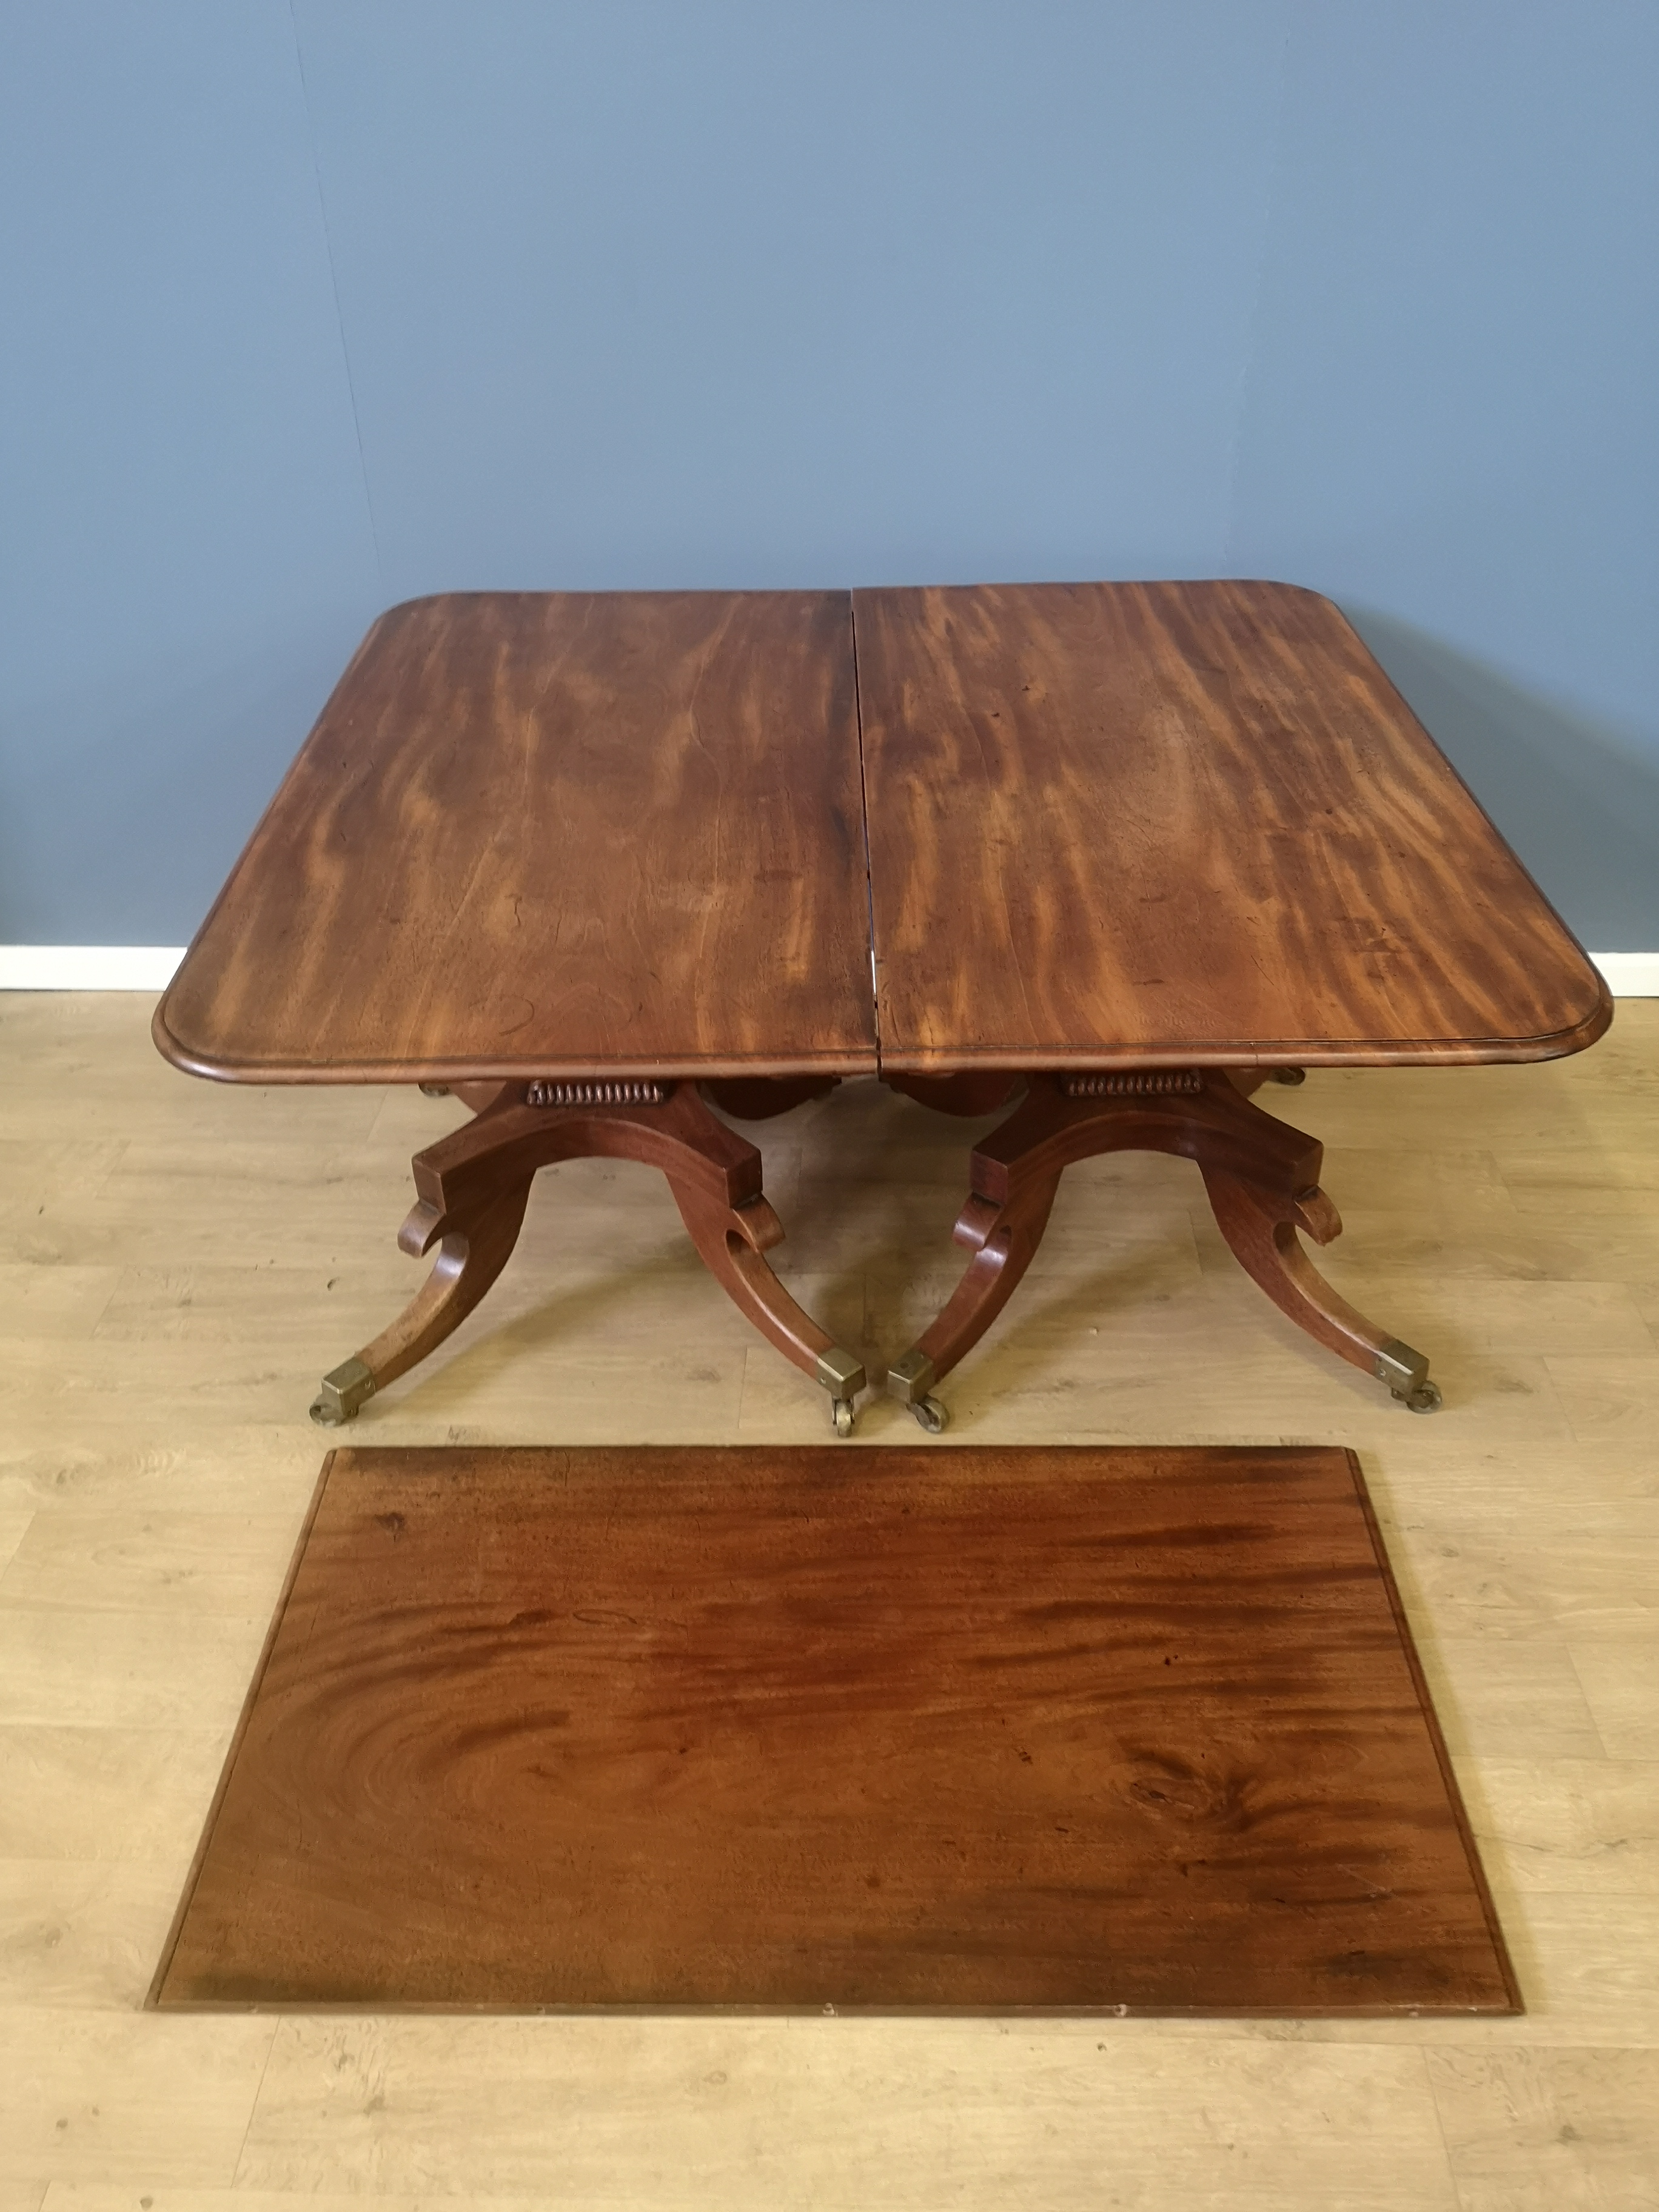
(554, 834)
(933, 1728)
(1181, 822)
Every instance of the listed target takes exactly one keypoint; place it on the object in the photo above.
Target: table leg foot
(345, 1389)
(1406, 1374)
(911, 1380)
(1003, 1234)
(843, 1377)
(1260, 1216)
(474, 1244)
(733, 1239)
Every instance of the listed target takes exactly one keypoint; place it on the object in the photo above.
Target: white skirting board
(88, 967)
(1630, 974)
(150, 968)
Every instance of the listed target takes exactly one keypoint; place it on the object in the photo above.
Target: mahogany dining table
(1108, 854)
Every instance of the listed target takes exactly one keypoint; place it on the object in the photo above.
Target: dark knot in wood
(1143, 1083)
(543, 1092)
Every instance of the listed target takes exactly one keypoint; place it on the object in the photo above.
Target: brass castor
(345, 1389)
(1425, 1398)
(909, 1380)
(842, 1376)
(1406, 1374)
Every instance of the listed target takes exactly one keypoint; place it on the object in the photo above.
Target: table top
(1080, 825)
(1181, 822)
(550, 833)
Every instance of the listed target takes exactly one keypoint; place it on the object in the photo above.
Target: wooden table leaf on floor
(1112, 855)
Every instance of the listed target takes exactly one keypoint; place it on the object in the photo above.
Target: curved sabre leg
(1004, 1238)
(1259, 1226)
(732, 1240)
(472, 1254)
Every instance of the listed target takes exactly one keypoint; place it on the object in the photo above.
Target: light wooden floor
(178, 1262)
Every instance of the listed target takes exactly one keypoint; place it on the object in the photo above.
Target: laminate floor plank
(1475, 1246)
(86, 2093)
(35, 1171)
(846, 2115)
(177, 1561)
(83, 1668)
(79, 1934)
(13, 1526)
(86, 1793)
(1609, 1479)
(94, 2196)
(1612, 1397)
(250, 1467)
(1549, 2131)
(1504, 1698)
(1578, 1318)
(1598, 1969)
(1620, 1678)
(58, 1300)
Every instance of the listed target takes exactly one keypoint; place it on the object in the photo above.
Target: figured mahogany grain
(1181, 822)
(930, 1727)
(559, 834)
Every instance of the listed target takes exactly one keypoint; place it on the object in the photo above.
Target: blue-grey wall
(305, 310)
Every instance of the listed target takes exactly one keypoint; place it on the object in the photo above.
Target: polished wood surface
(1180, 821)
(178, 1260)
(1134, 1728)
(544, 833)
(625, 832)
